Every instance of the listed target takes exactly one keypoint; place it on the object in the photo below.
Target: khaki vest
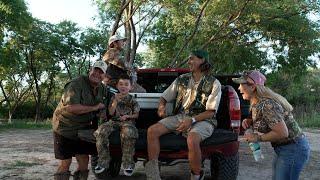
(203, 91)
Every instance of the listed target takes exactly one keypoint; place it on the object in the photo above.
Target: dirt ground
(28, 154)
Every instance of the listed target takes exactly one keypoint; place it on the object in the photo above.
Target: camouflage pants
(128, 136)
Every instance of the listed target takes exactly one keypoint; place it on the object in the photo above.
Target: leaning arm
(79, 109)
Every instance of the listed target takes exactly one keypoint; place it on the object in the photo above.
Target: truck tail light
(234, 110)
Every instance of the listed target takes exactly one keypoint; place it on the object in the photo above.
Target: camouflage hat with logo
(101, 65)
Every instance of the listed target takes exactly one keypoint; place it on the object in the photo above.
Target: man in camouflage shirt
(124, 110)
(197, 95)
(73, 120)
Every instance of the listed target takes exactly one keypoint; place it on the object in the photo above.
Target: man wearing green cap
(197, 95)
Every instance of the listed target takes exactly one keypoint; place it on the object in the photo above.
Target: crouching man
(74, 116)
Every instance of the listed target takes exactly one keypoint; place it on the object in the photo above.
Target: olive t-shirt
(77, 91)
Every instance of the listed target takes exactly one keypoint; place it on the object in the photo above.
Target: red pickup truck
(221, 148)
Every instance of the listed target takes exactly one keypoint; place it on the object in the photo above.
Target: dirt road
(28, 154)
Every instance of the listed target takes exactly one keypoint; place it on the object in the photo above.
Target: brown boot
(81, 175)
(62, 175)
(152, 170)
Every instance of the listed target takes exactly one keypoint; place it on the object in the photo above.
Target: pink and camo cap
(256, 76)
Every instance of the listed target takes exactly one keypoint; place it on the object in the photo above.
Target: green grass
(25, 124)
(310, 121)
(19, 164)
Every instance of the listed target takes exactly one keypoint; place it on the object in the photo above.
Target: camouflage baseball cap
(115, 38)
(101, 65)
(251, 77)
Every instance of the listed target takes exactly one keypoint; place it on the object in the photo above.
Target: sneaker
(128, 171)
(98, 169)
(197, 177)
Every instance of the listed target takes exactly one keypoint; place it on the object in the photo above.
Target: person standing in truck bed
(197, 95)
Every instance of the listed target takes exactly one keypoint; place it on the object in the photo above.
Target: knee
(64, 165)
(103, 130)
(153, 131)
(193, 140)
(129, 133)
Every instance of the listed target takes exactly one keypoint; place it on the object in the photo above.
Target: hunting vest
(202, 93)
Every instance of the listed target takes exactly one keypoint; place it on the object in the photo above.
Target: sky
(55, 11)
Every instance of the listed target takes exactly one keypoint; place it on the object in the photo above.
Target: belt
(291, 141)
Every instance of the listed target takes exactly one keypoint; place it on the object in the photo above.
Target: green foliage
(19, 164)
(25, 124)
(302, 90)
(240, 32)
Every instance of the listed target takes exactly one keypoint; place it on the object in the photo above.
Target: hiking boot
(98, 169)
(197, 177)
(81, 175)
(152, 170)
(62, 175)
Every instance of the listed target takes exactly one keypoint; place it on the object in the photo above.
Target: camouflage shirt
(114, 56)
(267, 113)
(126, 106)
(77, 91)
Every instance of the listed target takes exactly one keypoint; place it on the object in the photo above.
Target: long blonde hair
(265, 92)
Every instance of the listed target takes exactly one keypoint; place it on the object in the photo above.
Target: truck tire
(224, 168)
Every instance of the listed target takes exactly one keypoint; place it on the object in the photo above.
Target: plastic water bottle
(255, 148)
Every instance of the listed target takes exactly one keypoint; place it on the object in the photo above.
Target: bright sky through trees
(78, 11)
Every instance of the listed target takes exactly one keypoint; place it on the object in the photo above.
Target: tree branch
(230, 20)
(193, 33)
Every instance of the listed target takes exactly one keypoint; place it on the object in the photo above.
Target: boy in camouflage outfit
(124, 109)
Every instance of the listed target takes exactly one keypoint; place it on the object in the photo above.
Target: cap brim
(239, 80)
(100, 68)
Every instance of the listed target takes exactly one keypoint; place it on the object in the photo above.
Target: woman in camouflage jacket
(272, 121)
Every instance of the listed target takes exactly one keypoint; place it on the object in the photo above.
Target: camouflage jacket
(199, 104)
(267, 112)
(126, 106)
(114, 56)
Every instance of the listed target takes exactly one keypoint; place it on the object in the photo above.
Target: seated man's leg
(128, 136)
(199, 132)
(102, 138)
(155, 131)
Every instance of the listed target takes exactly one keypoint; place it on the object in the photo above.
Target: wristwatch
(193, 120)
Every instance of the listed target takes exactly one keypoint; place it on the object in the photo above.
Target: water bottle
(255, 148)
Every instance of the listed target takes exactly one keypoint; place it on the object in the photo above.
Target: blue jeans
(290, 159)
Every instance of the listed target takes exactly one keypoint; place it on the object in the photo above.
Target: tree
(236, 34)
(134, 16)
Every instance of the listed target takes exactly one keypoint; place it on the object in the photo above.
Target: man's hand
(99, 106)
(162, 112)
(184, 125)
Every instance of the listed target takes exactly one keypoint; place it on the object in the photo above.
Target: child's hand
(124, 117)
